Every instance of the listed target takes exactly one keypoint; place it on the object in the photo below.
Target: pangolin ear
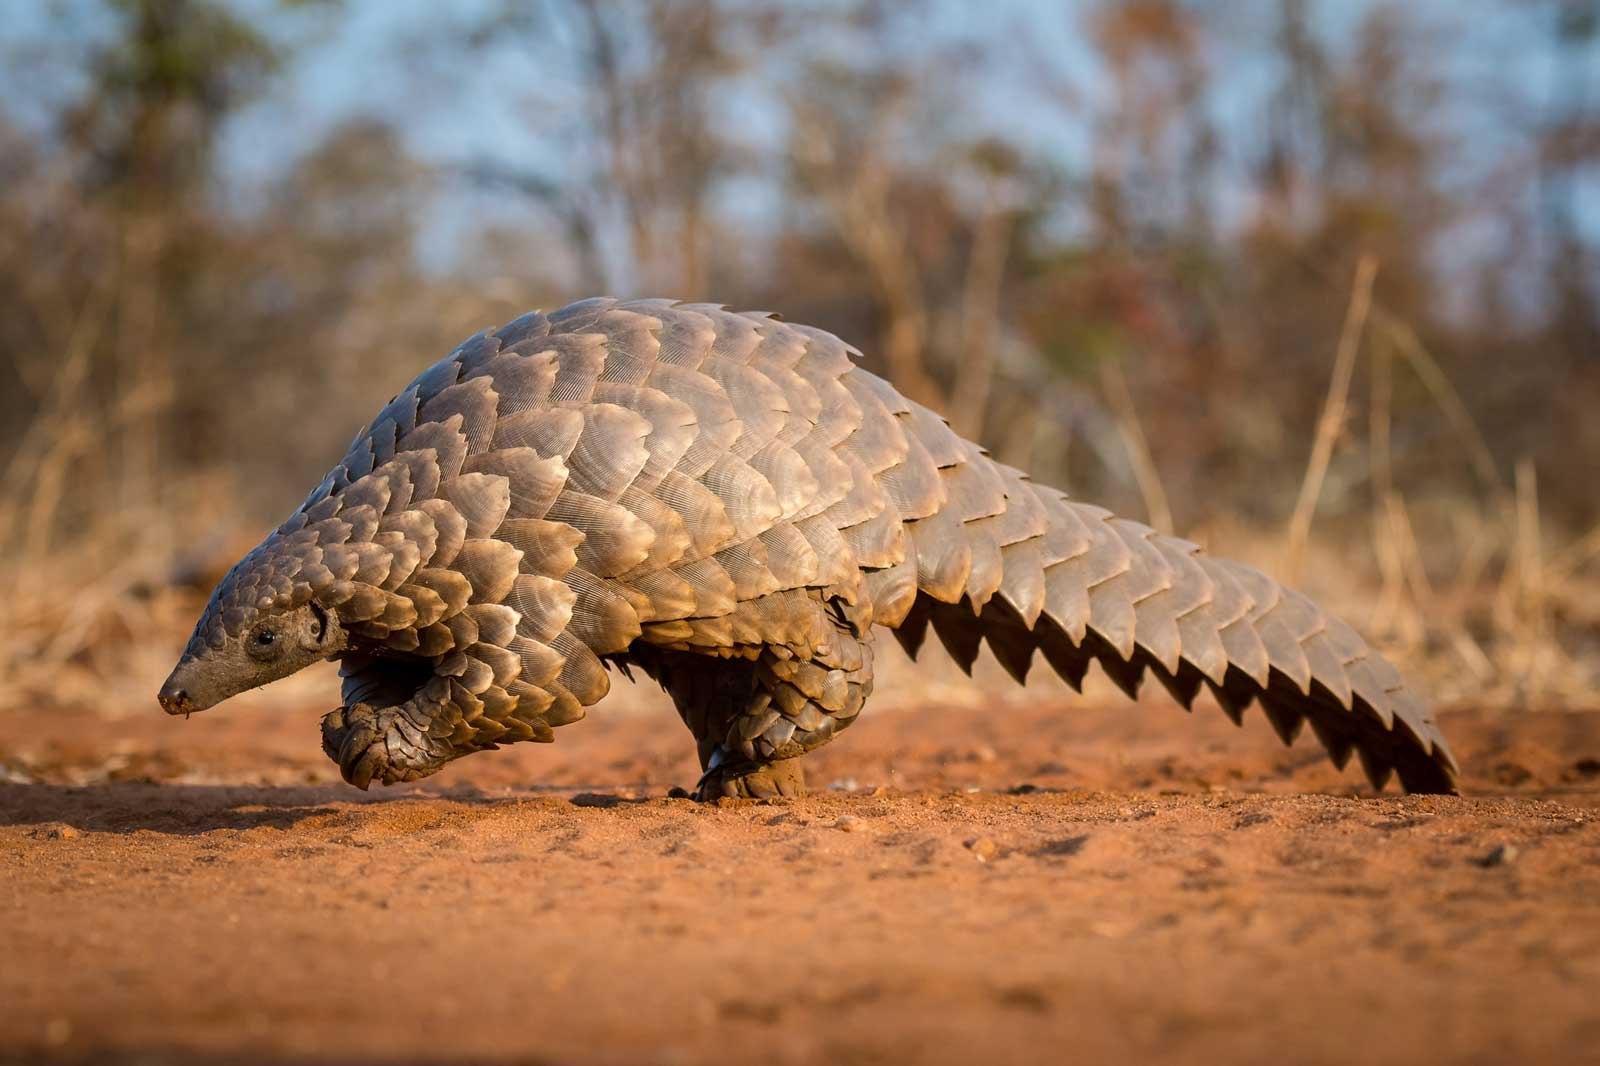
(321, 631)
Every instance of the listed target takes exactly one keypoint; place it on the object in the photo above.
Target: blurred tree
(146, 129)
(644, 146)
(1569, 155)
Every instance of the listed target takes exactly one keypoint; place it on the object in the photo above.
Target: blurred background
(1314, 282)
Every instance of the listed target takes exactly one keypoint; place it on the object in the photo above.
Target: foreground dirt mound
(1116, 884)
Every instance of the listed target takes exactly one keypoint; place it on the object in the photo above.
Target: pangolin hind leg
(755, 715)
(798, 705)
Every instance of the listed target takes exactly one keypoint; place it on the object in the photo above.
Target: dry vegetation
(1260, 276)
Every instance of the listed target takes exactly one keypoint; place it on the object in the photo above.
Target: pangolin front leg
(396, 742)
(402, 721)
(381, 744)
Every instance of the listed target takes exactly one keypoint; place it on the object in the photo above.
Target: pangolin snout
(178, 694)
(174, 698)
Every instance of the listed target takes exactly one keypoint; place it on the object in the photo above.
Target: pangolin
(728, 503)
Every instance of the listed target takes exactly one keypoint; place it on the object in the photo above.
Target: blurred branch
(860, 201)
(1144, 467)
(1576, 555)
(1448, 397)
(54, 436)
(980, 307)
(1332, 420)
(577, 224)
(606, 78)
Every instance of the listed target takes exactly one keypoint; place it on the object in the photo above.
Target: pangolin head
(263, 622)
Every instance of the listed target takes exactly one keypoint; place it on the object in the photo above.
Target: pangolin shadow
(190, 810)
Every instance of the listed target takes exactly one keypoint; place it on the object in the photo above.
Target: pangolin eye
(265, 637)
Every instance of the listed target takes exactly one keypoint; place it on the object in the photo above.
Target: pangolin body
(727, 502)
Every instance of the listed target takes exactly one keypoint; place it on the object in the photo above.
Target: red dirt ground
(1023, 882)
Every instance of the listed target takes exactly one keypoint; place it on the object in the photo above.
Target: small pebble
(983, 848)
(56, 832)
(849, 823)
(1499, 855)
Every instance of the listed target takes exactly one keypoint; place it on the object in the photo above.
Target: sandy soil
(1024, 882)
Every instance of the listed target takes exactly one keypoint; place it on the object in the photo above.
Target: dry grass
(1486, 613)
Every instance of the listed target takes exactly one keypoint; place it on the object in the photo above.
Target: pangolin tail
(1025, 569)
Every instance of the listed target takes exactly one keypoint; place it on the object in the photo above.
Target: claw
(350, 736)
(358, 759)
(332, 732)
(743, 780)
(364, 741)
(365, 769)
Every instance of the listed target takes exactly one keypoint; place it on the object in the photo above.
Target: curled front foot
(742, 779)
(378, 744)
